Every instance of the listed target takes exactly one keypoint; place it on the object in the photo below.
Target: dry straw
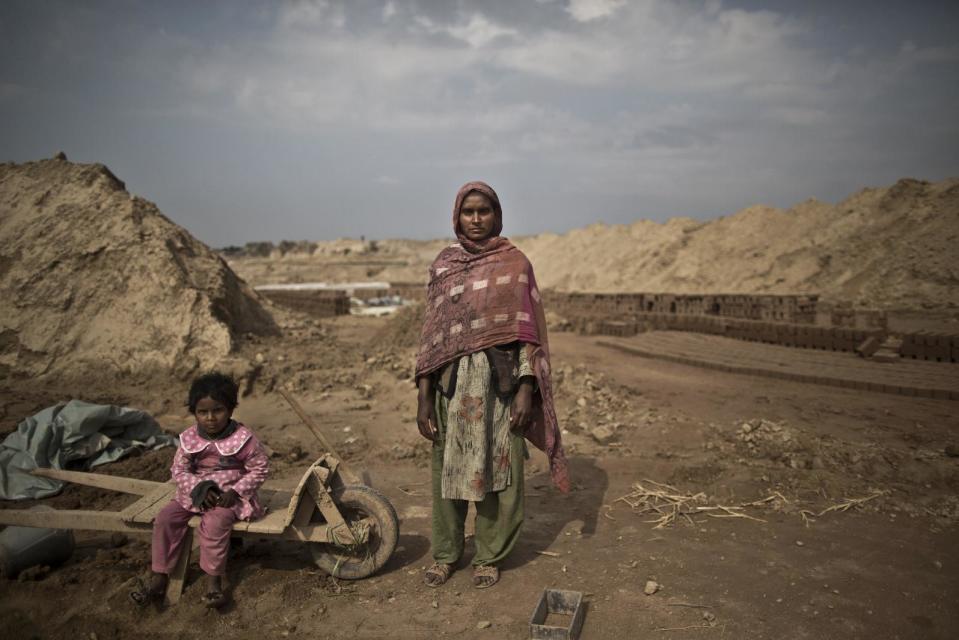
(668, 504)
(841, 507)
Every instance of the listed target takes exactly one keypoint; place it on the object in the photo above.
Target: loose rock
(603, 434)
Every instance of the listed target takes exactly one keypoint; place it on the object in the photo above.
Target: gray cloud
(316, 119)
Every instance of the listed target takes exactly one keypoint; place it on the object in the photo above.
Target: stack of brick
(317, 302)
(928, 345)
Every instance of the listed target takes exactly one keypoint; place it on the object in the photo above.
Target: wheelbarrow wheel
(360, 506)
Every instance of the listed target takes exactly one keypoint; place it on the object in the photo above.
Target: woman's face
(212, 416)
(477, 217)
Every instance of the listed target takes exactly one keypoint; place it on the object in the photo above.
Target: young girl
(217, 470)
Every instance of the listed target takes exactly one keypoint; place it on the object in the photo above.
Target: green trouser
(499, 515)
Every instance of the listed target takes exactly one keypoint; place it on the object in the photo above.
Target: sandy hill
(895, 247)
(892, 247)
(94, 279)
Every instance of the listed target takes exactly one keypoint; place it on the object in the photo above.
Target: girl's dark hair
(216, 385)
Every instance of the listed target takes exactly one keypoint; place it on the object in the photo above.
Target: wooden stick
(174, 588)
(68, 519)
(100, 480)
(351, 477)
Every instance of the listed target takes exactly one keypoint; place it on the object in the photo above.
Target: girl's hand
(426, 409)
(228, 499)
(522, 408)
(210, 499)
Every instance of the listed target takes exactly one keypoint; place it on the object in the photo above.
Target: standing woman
(482, 372)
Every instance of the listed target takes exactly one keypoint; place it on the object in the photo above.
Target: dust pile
(95, 279)
(894, 247)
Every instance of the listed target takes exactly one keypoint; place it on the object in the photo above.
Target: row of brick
(849, 317)
(927, 345)
(770, 307)
(922, 346)
(787, 374)
(805, 336)
(790, 335)
(320, 303)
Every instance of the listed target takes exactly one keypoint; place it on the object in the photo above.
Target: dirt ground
(885, 568)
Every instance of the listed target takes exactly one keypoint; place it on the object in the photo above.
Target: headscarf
(489, 243)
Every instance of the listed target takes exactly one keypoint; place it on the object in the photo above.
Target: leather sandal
(438, 574)
(485, 576)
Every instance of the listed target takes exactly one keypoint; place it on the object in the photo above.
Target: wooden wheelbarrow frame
(290, 514)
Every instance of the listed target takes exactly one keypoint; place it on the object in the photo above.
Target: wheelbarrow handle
(348, 475)
(100, 480)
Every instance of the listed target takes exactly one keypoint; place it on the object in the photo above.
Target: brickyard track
(906, 376)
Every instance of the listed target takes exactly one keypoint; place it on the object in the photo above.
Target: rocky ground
(788, 510)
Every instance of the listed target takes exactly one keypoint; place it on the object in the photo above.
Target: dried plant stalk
(845, 505)
(668, 504)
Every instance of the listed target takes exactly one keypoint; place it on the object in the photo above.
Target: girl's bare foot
(215, 596)
(158, 583)
(153, 592)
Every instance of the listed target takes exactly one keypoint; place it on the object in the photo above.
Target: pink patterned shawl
(484, 294)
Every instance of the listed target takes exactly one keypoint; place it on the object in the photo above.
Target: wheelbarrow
(351, 529)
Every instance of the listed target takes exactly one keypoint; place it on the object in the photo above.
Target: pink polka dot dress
(237, 462)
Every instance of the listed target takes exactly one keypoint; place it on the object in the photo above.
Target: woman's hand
(228, 499)
(426, 409)
(522, 408)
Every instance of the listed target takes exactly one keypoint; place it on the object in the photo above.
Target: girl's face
(212, 415)
(477, 217)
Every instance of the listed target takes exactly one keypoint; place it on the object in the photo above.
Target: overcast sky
(319, 119)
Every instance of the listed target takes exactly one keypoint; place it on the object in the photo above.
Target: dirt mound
(95, 279)
(894, 247)
(771, 440)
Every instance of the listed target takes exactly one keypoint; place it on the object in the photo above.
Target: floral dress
(476, 454)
